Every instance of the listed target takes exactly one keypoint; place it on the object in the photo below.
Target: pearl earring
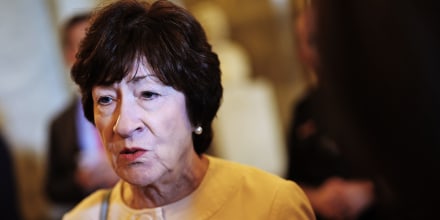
(198, 130)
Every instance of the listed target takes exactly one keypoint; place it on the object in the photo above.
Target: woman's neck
(169, 190)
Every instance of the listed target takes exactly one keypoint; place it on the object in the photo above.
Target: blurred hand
(326, 199)
(339, 199)
(359, 195)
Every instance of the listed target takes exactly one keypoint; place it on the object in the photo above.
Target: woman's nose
(128, 120)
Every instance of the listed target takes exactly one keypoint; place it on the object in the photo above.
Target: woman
(151, 84)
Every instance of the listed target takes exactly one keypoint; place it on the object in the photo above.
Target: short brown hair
(174, 45)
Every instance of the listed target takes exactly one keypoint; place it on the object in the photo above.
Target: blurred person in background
(151, 84)
(336, 189)
(379, 73)
(9, 199)
(75, 165)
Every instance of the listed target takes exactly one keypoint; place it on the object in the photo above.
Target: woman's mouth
(131, 154)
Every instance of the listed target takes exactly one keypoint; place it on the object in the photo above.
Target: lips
(131, 154)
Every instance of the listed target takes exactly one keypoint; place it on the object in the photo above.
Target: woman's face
(145, 128)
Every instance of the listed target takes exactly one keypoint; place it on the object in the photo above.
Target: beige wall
(266, 32)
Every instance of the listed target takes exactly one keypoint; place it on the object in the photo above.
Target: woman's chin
(139, 175)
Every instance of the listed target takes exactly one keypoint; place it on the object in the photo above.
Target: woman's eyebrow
(138, 78)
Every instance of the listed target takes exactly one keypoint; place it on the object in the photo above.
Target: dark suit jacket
(64, 148)
(9, 200)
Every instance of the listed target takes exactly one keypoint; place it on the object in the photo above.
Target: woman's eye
(149, 95)
(105, 100)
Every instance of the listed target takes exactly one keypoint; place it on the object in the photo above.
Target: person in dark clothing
(336, 189)
(379, 73)
(9, 200)
(75, 165)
